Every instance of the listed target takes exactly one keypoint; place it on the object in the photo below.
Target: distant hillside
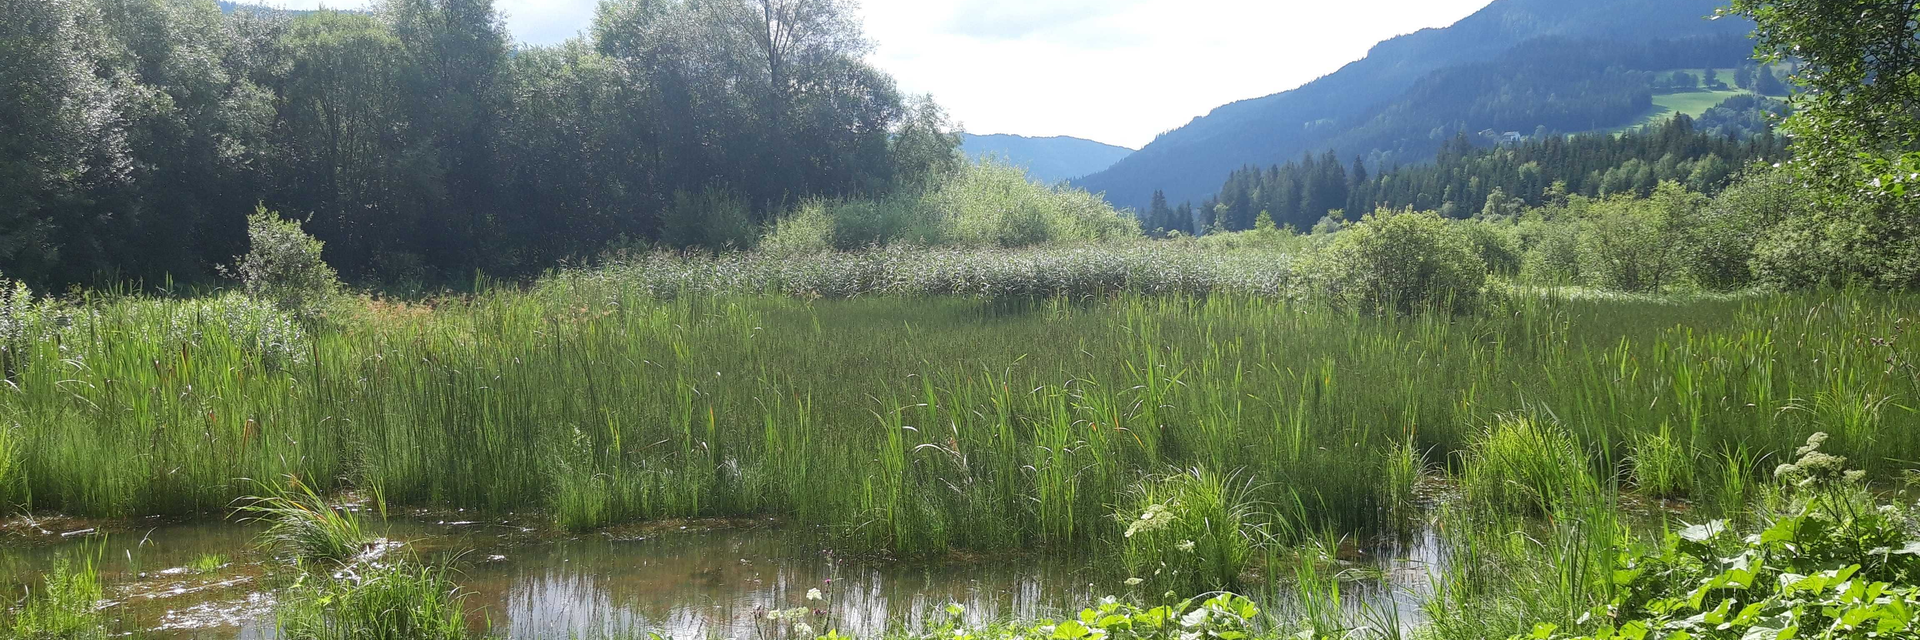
(1462, 76)
(1046, 159)
(226, 6)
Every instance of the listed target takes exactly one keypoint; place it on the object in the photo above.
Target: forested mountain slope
(1345, 108)
(1049, 159)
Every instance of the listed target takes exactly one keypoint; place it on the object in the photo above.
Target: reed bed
(913, 424)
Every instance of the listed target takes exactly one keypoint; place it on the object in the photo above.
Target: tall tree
(449, 77)
(63, 138)
(1860, 68)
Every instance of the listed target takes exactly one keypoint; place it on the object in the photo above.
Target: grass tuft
(1190, 532)
(1526, 466)
(302, 524)
(376, 601)
(66, 607)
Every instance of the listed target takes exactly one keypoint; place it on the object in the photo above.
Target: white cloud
(1117, 71)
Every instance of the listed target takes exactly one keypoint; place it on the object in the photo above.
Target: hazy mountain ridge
(1047, 159)
(1190, 162)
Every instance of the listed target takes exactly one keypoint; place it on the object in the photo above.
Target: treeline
(1464, 180)
(418, 141)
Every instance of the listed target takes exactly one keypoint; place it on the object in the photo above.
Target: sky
(1116, 71)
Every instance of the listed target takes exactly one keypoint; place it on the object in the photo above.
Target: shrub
(283, 265)
(1735, 223)
(1522, 465)
(900, 219)
(1550, 251)
(808, 230)
(1629, 244)
(1404, 261)
(1495, 244)
(1841, 237)
(983, 205)
(1189, 532)
(713, 219)
(992, 204)
(17, 313)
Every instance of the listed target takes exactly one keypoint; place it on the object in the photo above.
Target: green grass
(1691, 103)
(303, 525)
(914, 424)
(385, 601)
(904, 420)
(604, 405)
(1190, 532)
(66, 604)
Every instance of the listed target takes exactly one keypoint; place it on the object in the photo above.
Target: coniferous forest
(1460, 181)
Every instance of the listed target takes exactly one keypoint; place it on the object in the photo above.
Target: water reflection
(723, 583)
(680, 584)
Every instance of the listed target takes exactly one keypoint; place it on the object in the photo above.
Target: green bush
(808, 230)
(1632, 244)
(1495, 244)
(1550, 249)
(983, 205)
(1403, 261)
(992, 204)
(1838, 237)
(283, 265)
(1736, 223)
(1189, 532)
(713, 219)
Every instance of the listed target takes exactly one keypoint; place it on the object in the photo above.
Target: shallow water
(682, 582)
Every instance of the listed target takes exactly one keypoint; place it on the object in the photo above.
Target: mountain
(1046, 159)
(1400, 74)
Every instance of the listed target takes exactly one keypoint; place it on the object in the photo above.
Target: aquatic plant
(1662, 465)
(1003, 421)
(394, 600)
(1224, 615)
(1189, 532)
(66, 606)
(1833, 564)
(1527, 466)
(11, 480)
(304, 525)
(208, 562)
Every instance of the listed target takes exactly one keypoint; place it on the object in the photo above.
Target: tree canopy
(417, 140)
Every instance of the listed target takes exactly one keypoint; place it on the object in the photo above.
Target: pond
(692, 580)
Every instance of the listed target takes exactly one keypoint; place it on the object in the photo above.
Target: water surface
(202, 580)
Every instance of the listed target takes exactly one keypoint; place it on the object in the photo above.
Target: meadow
(917, 420)
(1201, 415)
(588, 399)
